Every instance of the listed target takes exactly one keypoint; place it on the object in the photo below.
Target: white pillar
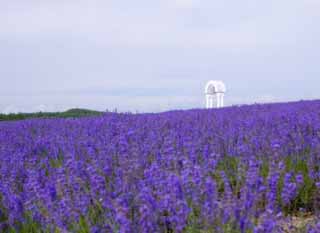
(212, 101)
(221, 101)
(206, 104)
(207, 101)
(215, 101)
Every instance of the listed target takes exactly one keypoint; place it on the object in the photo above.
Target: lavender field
(246, 169)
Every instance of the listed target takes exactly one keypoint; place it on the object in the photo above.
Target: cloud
(207, 24)
(135, 48)
(185, 3)
(10, 109)
(102, 103)
(40, 108)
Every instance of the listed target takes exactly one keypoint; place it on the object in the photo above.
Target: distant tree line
(73, 113)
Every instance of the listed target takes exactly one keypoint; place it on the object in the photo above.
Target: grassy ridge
(75, 112)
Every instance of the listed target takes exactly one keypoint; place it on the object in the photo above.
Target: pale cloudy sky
(155, 55)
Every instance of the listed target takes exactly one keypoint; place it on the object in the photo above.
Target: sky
(152, 56)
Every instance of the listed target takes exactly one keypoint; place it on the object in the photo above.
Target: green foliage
(3, 212)
(230, 166)
(96, 213)
(305, 193)
(29, 226)
(56, 162)
(264, 169)
(193, 222)
(83, 225)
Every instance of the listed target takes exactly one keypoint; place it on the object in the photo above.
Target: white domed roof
(215, 86)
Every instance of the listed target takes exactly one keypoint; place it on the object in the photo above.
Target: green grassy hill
(75, 112)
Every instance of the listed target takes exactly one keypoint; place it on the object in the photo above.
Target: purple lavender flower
(173, 171)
